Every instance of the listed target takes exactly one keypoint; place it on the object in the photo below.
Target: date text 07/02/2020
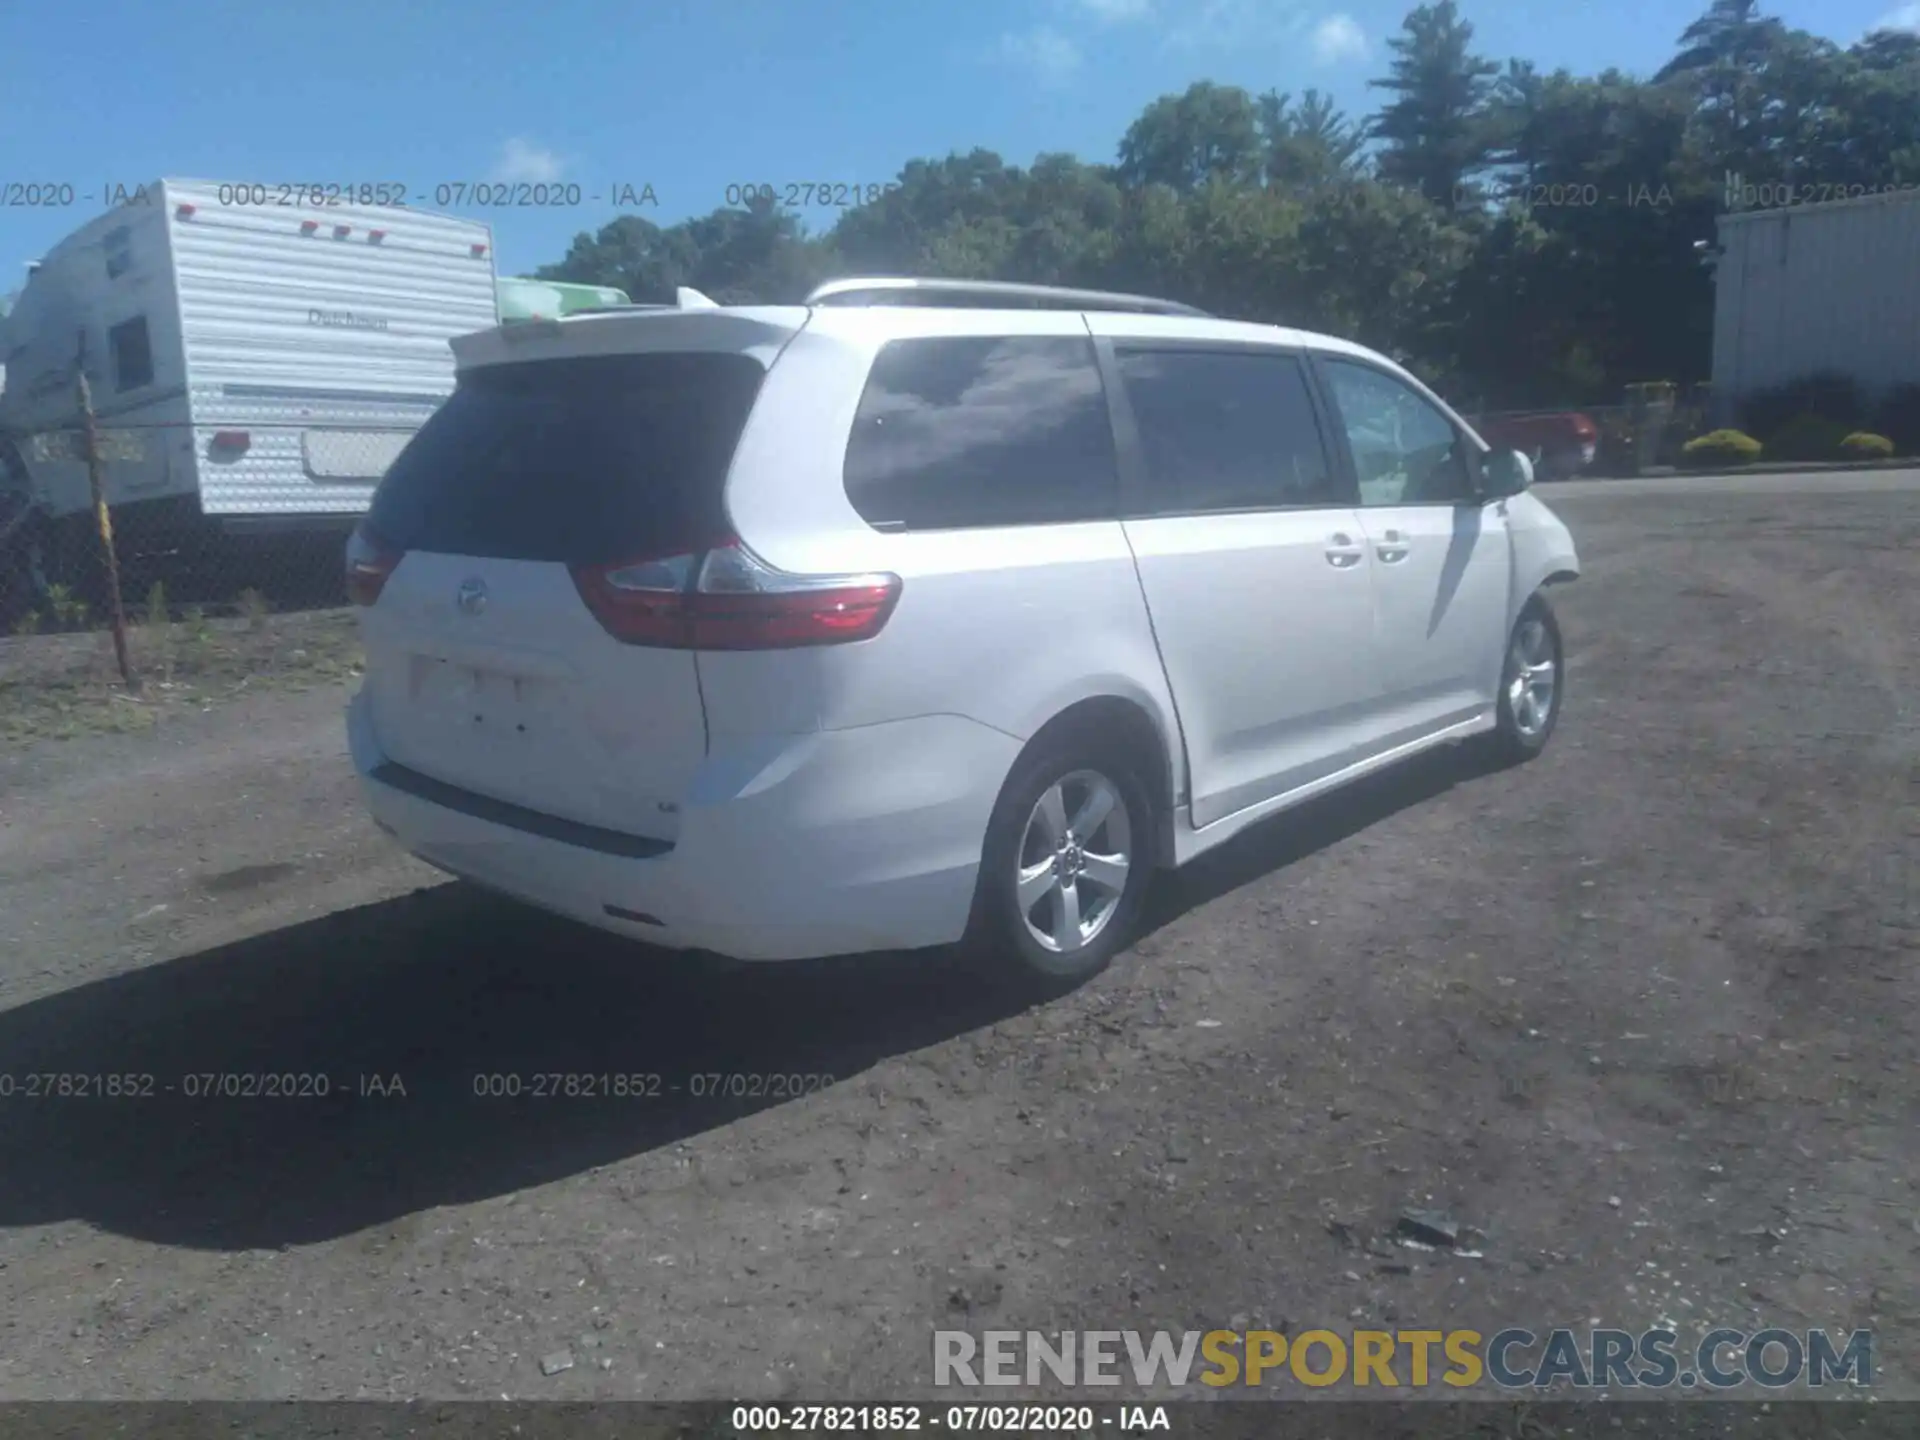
(446, 195)
(959, 1419)
(198, 1085)
(632, 1085)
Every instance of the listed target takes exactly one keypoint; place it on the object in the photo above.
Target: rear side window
(589, 460)
(1226, 430)
(960, 433)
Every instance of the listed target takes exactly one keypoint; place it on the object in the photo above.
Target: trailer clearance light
(235, 442)
(478, 251)
(374, 237)
(307, 227)
(340, 232)
(183, 212)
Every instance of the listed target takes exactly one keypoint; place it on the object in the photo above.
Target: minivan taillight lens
(727, 598)
(640, 602)
(370, 560)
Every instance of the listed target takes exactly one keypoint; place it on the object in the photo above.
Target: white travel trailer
(257, 356)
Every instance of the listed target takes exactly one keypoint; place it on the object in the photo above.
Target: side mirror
(1505, 473)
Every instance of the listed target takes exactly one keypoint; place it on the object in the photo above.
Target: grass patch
(61, 686)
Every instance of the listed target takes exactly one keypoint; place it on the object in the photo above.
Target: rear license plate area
(474, 699)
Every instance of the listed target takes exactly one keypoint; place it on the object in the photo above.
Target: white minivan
(925, 611)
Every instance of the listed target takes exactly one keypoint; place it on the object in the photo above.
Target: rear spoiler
(694, 322)
(684, 298)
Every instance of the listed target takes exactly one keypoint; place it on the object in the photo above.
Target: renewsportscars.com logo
(1512, 1359)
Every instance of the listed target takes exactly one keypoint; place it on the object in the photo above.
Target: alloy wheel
(1532, 679)
(1074, 859)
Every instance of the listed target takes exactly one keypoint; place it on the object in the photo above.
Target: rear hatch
(485, 667)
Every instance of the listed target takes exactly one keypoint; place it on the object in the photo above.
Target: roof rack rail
(989, 295)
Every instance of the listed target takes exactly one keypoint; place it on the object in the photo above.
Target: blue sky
(687, 96)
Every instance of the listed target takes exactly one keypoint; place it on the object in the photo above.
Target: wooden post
(103, 524)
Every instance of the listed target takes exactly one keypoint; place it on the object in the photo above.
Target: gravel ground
(1642, 1012)
(60, 686)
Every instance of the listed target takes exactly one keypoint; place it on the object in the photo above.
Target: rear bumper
(790, 847)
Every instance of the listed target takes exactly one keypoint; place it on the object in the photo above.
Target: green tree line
(1524, 238)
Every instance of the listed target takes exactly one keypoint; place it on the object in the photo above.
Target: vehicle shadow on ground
(1317, 825)
(441, 994)
(446, 991)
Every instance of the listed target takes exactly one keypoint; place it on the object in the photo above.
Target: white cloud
(1051, 56)
(1234, 24)
(1907, 17)
(1338, 38)
(1116, 11)
(522, 160)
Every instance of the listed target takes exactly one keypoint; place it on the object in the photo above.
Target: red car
(1560, 444)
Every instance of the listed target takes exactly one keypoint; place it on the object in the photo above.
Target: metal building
(1805, 288)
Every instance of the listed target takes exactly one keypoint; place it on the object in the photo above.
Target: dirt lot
(58, 686)
(1644, 1012)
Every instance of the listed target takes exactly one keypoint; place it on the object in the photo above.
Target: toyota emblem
(472, 598)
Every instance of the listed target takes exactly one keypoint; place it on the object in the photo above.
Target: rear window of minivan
(586, 460)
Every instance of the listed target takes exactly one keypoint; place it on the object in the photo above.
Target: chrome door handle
(1342, 553)
(1392, 548)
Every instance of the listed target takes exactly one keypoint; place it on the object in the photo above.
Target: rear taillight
(370, 560)
(727, 598)
(642, 602)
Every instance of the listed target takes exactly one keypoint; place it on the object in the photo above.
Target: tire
(1522, 731)
(1018, 945)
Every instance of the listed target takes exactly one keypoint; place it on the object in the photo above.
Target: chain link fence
(244, 519)
(215, 566)
(200, 521)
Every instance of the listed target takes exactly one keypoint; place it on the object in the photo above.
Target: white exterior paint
(835, 798)
(1818, 287)
(322, 332)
